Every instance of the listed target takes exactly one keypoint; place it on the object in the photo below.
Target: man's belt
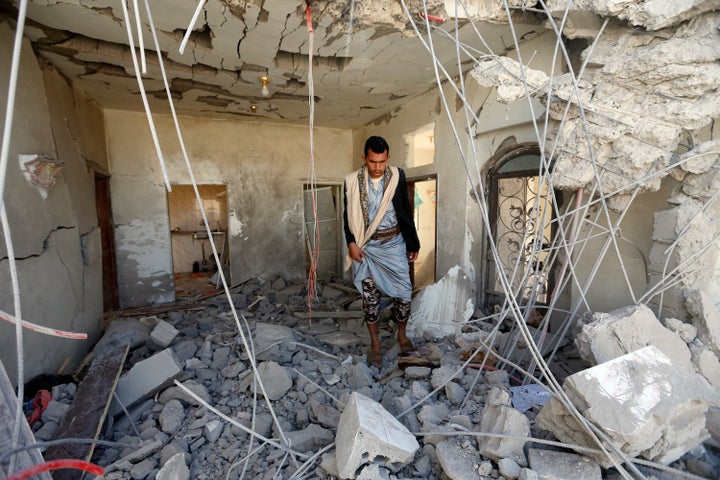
(385, 235)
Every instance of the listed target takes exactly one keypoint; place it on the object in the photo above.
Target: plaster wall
(610, 288)
(56, 240)
(264, 167)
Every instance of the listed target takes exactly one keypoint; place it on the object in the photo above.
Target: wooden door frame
(103, 207)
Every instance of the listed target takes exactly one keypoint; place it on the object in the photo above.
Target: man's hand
(412, 256)
(355, 252)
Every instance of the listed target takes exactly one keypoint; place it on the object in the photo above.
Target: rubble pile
(333, 416)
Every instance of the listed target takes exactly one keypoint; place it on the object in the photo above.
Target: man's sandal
(374, 357)
(406, 346)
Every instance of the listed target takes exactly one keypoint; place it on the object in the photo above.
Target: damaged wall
(651, 104)
(56, 240)
(264, 167)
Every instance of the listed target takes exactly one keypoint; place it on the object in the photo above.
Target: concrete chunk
(611, 335)
(458, 460)
(645, 404)
(706, 317)
(499, 418)
(275, 379)
(552, 465)
(146, 378)
(266, 335)
(174, 469)
(442, 308)
(368, 433)
(163, 334)
(312, 438)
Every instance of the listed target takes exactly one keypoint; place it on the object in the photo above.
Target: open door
(323, 235)
(423, 198)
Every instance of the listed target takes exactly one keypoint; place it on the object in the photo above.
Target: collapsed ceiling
(367, 58)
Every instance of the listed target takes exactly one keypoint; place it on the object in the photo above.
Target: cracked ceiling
(362, 70)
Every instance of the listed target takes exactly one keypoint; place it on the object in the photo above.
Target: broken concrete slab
(369, 433)
(145, 378)
(339, 339)
(441, 308)
(647, 405)
(616, 333)
(554, 465)
(123, 331)
(500, 418)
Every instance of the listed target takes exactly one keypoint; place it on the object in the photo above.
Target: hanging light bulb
(265, 91)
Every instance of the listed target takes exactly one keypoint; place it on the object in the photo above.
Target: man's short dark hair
(377, 145)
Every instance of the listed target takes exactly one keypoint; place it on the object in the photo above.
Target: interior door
(322, 231)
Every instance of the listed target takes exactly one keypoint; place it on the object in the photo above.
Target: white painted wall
(264, 167)
(56, 240)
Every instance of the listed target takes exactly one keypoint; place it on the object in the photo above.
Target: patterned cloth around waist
(386, 234)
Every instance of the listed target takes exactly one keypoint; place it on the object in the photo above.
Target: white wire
(189, 30)
(143, 95)
(141, 40)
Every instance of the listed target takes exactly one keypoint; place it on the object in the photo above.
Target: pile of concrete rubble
(192, 400)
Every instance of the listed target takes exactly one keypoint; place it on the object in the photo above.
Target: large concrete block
(647, 405)
(443, 307)
(368, 433)
(146, 378)
(611, 335)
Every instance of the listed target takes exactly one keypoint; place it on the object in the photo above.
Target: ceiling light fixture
(264, 80)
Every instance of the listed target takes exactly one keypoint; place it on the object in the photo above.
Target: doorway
(423, 195)
(194, 266)
(104, 214)
(521, 218)
(324, 234)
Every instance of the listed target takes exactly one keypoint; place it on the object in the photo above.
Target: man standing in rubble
(382, 240)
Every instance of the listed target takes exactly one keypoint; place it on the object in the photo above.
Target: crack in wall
(45, 244)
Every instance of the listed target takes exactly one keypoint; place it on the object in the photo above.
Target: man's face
(376, 163)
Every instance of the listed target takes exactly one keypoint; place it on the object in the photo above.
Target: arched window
(521, 214)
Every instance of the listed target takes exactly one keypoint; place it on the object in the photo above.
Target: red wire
(309, 19)
(433, 18)
(55, 465)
